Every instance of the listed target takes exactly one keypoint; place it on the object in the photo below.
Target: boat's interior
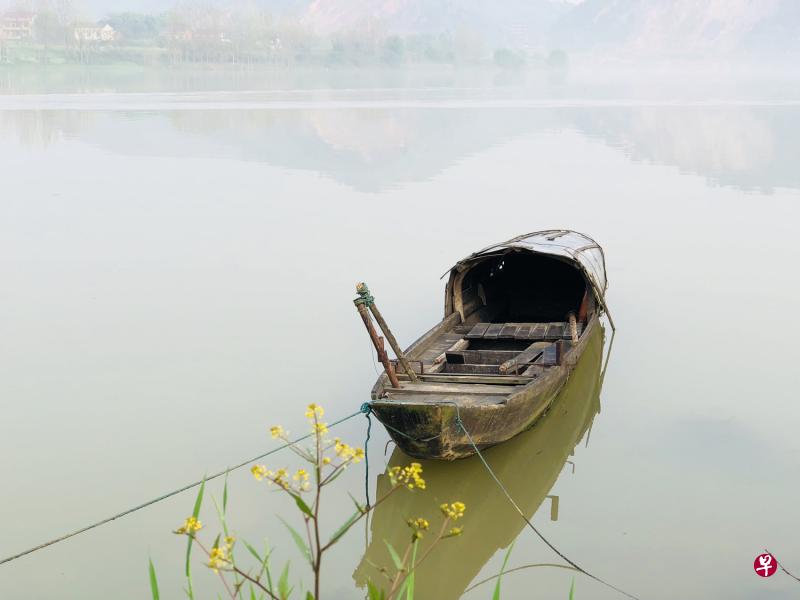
(510, 316)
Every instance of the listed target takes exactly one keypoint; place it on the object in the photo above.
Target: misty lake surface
(179, 257)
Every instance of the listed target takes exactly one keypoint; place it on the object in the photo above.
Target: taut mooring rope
(367, 408)
(124, 513)
(522, 514)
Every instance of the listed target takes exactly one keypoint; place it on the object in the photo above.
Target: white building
(95, 33)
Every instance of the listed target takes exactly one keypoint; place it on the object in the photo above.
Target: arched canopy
(544, 272)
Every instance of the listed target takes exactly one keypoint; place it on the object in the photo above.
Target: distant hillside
(679, 27)
(513, 22)
(646, 28)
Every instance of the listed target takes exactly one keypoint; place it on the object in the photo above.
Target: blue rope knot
(366, 408)
(364, 297)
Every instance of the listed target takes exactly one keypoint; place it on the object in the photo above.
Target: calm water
(178, 269)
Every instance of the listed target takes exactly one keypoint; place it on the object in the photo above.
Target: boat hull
(426, 426)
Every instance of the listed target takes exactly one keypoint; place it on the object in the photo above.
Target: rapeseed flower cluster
(220, 556)
(281, 477)
(347, 453)
(408, 476)
(314, 411)
(453, 511)
(418, 525)
(190, 526)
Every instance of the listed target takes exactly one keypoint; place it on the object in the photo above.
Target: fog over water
(179, 256)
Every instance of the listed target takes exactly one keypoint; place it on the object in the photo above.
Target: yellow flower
(408, 476)
(344, 451)
(260, 472)
(190, 525)
(217, 558)
(229, 540)
(326, 460)
(358, 455)
(277, 432)
(280, 477)
(454, 531)
(320, 428)
(301, 474)
(418, 525)
(314, 411)
(453, 511)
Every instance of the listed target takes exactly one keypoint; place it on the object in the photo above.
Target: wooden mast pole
(377, 341)
(363, 292)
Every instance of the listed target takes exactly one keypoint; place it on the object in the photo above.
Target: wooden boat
(517, 317)
(528, 465)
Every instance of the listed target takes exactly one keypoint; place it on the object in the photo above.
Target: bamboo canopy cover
(571, 246)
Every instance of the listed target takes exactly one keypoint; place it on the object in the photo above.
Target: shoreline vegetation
(393, 52)
(208, 36)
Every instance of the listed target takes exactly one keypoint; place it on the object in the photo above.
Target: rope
(519, 510)
(365, 408)
(124, 513)
(365, 297)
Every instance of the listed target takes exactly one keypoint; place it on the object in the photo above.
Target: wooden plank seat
(521, 331)
(479, 357)
(532, 353)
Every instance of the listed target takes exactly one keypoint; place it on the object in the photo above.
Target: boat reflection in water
(528, 465)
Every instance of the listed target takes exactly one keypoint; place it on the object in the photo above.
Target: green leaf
(284, 591)
(265, 567)
(153, 581)
(572, 590)
(345, 526)
(298, 540)
(359, 507)
(220, 515)
(252, 592)
(496, 595)
(407, 586)
(410, 579)
(302, 505)
(225, 495)
(309, 596)
(195, 513)
(253, 551)
(398, 563)
(374, 593)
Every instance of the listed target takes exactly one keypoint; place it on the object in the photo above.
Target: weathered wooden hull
(528, 465)
(426, 426)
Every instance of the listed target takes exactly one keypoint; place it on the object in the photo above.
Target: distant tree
(504, 57)
(55, 20)
(135, 26)
(468, 46)
(393, 51)
(47, 29)
(557, 59)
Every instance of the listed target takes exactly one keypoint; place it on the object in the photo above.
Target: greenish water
(178, 260)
